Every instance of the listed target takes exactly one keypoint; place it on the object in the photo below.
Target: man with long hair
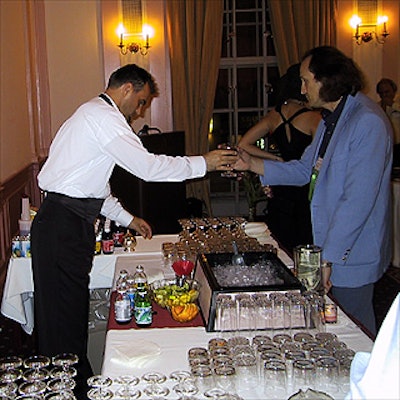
(348, 166)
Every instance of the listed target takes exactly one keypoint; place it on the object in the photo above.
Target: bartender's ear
(127, 88)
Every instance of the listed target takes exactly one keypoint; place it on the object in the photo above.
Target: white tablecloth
(167, 350)
(396, 223)
(17, 302)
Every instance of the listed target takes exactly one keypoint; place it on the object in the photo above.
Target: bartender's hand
(220, 160)
(247, 162)
(141, 227)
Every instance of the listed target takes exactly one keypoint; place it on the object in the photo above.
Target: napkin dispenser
(207, 274)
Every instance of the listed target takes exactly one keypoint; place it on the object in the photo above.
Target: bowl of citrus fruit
(180, 299)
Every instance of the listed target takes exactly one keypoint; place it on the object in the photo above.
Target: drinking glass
(8, 362)
(215, 394)
(127, 389)
(203, 377)
(32, 388)
(275, 378)
(99, 385)
(8, 389)
(60, 395)
(228, 174)
(225, 314)
(307, 265)
(60, 384)
(327, 373)
(281, 312)
(155, 388)
(303, 373)
(185, 388)
(63, 363)
(225, 378)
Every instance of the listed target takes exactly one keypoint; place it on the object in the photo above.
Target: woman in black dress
(289, 129)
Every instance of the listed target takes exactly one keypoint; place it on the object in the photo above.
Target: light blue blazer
(351, 205)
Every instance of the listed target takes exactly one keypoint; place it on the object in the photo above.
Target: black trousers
(62, 246)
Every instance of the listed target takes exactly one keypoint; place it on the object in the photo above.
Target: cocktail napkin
(135, 354)
(376, 375)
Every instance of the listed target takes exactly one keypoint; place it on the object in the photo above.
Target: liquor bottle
(118, 233)
(98, 230)
(143, 309)
(107, 242)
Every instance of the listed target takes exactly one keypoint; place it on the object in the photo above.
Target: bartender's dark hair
(338, 73)
(131, 73)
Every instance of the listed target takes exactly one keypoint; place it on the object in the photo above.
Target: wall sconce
(367, 36)
(135, 47)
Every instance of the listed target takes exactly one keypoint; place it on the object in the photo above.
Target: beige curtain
(194, 34)
(299, 25)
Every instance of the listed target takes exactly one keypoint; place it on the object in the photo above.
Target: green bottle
(143, 308)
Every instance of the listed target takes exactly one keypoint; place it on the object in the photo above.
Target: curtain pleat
(194, 29)
(299, 25)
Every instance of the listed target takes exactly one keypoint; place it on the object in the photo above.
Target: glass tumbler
(303, 374)
(275, 379)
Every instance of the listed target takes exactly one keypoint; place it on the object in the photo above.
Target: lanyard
(330, 122)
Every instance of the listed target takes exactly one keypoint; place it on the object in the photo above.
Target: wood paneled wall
(11, 192)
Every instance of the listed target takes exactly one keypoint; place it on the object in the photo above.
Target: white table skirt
(17, 302)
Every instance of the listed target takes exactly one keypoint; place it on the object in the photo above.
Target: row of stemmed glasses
(37, 378)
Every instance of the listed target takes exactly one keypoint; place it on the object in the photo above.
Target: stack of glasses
(285, 311)
(280, 365)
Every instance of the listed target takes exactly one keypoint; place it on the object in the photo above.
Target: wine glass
(155, 389)
(36, 369)
(99, 385)
(60, 395)
(8, 389)
(63, 368)
(8, 362)
(10, 375)
(61, 384)
(32, 388)
(215, 393)
(185, 388)
(127, 391)
(29, 397)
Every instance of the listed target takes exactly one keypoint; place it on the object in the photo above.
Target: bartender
(75, 180)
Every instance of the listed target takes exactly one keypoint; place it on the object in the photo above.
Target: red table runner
(161, 319)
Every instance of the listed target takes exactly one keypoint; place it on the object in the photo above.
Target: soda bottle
(107, 242)
(118, 233)
(143, 309)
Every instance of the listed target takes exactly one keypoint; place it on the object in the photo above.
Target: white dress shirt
(87, 147)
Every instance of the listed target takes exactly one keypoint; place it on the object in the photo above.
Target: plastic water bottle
(122, 305)
(143, 308)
